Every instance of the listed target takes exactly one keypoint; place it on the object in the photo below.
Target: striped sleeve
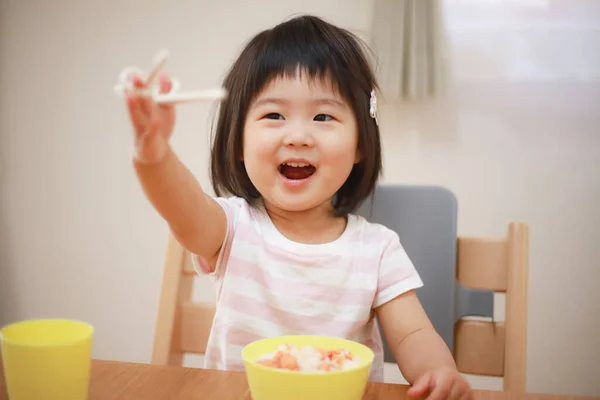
(231, 206)
(397, 274)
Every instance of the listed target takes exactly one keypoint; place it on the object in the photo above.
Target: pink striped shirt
(268, 285)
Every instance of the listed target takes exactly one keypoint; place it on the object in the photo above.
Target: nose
(298, 135)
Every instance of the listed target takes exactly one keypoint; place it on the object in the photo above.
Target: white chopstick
(160, 59)
(187, 97)
(173, 97)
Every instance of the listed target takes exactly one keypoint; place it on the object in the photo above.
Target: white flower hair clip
(373, 107)
(152, 90)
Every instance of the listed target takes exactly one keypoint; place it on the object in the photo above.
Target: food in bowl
(309, 359)
(267, 383)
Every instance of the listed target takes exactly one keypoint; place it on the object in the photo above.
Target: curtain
(408, 39)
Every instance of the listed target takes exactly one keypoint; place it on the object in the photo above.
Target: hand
(152, 123)
(441, 384)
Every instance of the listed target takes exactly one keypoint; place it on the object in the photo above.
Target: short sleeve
(397, 274)
(231, 206)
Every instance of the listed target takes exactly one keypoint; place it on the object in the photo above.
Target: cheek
(344, 162)
(342, 151)
(258, 148)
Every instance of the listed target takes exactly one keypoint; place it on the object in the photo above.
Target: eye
(273, 116)
(323, 118)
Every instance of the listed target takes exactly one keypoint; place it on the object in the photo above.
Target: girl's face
(300, 143)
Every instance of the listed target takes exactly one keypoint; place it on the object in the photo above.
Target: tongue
(297, 173)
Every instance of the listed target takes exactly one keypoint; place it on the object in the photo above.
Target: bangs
(300, 46)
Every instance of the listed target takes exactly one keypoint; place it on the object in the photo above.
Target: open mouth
(296, 170)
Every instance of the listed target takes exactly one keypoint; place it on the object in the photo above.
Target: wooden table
(119, 380)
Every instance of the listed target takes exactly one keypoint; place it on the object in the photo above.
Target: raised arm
(195, 219)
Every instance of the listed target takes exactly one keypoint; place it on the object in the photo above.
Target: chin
(293, 203)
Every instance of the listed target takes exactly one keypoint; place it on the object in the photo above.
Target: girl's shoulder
(233, 206)
(369, 231)
(232, 202)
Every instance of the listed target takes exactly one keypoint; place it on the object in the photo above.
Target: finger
(439, 389)
(165, 86)
(139, 119)
(467, 394)
(152, 130)
(145, 103)
(165, 83)
(456, 391)
(421, 387)
(146, 139)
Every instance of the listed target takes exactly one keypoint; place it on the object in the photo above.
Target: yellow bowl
(274, 384)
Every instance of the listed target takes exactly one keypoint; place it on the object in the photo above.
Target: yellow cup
(47, 359)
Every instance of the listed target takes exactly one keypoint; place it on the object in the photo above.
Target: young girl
(296, 151)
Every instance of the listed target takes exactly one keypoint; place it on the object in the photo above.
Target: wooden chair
(481, 347)
(182, 326)
(495, 348)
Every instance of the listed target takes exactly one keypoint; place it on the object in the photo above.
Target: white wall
(80, 241)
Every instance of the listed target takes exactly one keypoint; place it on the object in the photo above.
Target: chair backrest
(424, 218)
(460, 275)
(488, 347)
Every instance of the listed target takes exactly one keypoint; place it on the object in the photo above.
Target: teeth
(293, 164)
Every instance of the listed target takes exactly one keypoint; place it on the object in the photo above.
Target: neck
(313, 226)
